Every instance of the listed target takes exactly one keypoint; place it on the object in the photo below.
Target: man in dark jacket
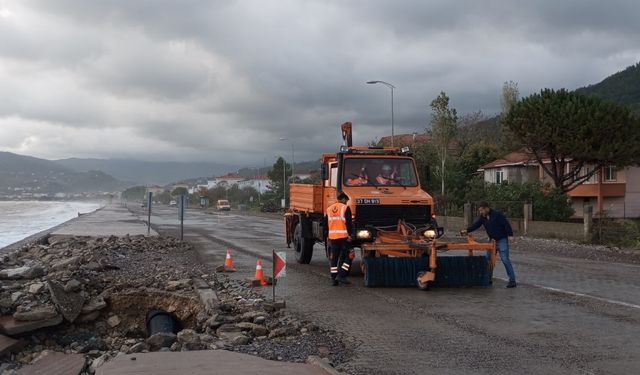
(498, 229)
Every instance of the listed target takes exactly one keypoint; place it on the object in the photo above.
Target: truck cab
(383, 188)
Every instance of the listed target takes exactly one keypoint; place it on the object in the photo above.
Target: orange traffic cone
(228, 264)
(258, 279)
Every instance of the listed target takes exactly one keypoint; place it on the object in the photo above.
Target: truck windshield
(379, 172)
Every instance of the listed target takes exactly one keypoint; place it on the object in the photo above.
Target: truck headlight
(363, 234)
(430, 233)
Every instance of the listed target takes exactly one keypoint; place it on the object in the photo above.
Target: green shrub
(548, 204)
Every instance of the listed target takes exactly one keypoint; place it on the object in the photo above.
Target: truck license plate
(367, 201)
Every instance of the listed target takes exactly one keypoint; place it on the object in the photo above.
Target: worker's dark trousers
(340, 261)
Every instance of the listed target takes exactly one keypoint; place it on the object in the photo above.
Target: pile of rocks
(92, 295)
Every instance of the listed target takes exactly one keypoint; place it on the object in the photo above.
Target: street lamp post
(284, 183)
(391, 87)
(293, 160)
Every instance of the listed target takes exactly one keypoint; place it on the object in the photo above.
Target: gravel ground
(111, 283)
(576, 250)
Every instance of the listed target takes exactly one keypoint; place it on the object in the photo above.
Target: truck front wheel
(303, 247)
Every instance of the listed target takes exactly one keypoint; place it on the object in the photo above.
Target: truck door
(331, 185)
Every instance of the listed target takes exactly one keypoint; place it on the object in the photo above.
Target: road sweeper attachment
(393, 218)
(400, 259)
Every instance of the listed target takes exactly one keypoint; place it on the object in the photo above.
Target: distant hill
(45, 176)
(622, 87)
(302, 167)
(147, 172)
(488, 131)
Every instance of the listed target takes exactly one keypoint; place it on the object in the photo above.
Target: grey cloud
(224, 80)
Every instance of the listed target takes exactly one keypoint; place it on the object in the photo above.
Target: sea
(21, 219)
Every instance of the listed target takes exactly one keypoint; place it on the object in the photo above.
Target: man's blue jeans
(502, 248)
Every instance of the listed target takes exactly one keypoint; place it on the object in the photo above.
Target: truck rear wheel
(303, 247)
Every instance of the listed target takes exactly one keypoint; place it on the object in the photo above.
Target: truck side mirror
(324, 172)
(427, 173)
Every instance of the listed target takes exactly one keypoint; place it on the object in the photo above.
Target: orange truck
(395, 222)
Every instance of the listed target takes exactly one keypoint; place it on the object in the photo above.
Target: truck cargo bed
(306, 197)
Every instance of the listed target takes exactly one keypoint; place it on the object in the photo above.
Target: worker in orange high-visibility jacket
(338, 230)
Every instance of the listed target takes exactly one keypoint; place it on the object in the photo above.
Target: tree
(179, 191)
(508, 98)
(218, 192)
(163, 197)
(443, 128)
(134, 193)
(276, 177)
(465, 133)
(572, 136)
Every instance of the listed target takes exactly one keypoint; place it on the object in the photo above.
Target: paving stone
(203, 362)
(55, 363)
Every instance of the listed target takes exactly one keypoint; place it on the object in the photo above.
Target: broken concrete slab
(10, 345)
(24, 272)
(90, 317)
(73, 285)
(53, 240)
(113, 321)
(208, 298)
(65, 263)
(36, 288)
(173, 285)
(38, 313)
(94, 304)
(232, 334)
(69, 304)
(10, 326)
(256, 329)
(161, 340)
(55, 363)
(198, 283)
(15, 296)
(202, 362)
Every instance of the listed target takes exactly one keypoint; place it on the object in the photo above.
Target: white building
(260, 183)
(226, 181)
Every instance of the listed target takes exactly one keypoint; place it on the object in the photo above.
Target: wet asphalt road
(567, 316)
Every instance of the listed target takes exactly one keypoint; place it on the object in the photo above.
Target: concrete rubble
(89, 297)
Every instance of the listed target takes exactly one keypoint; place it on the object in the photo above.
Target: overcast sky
(225, 80)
